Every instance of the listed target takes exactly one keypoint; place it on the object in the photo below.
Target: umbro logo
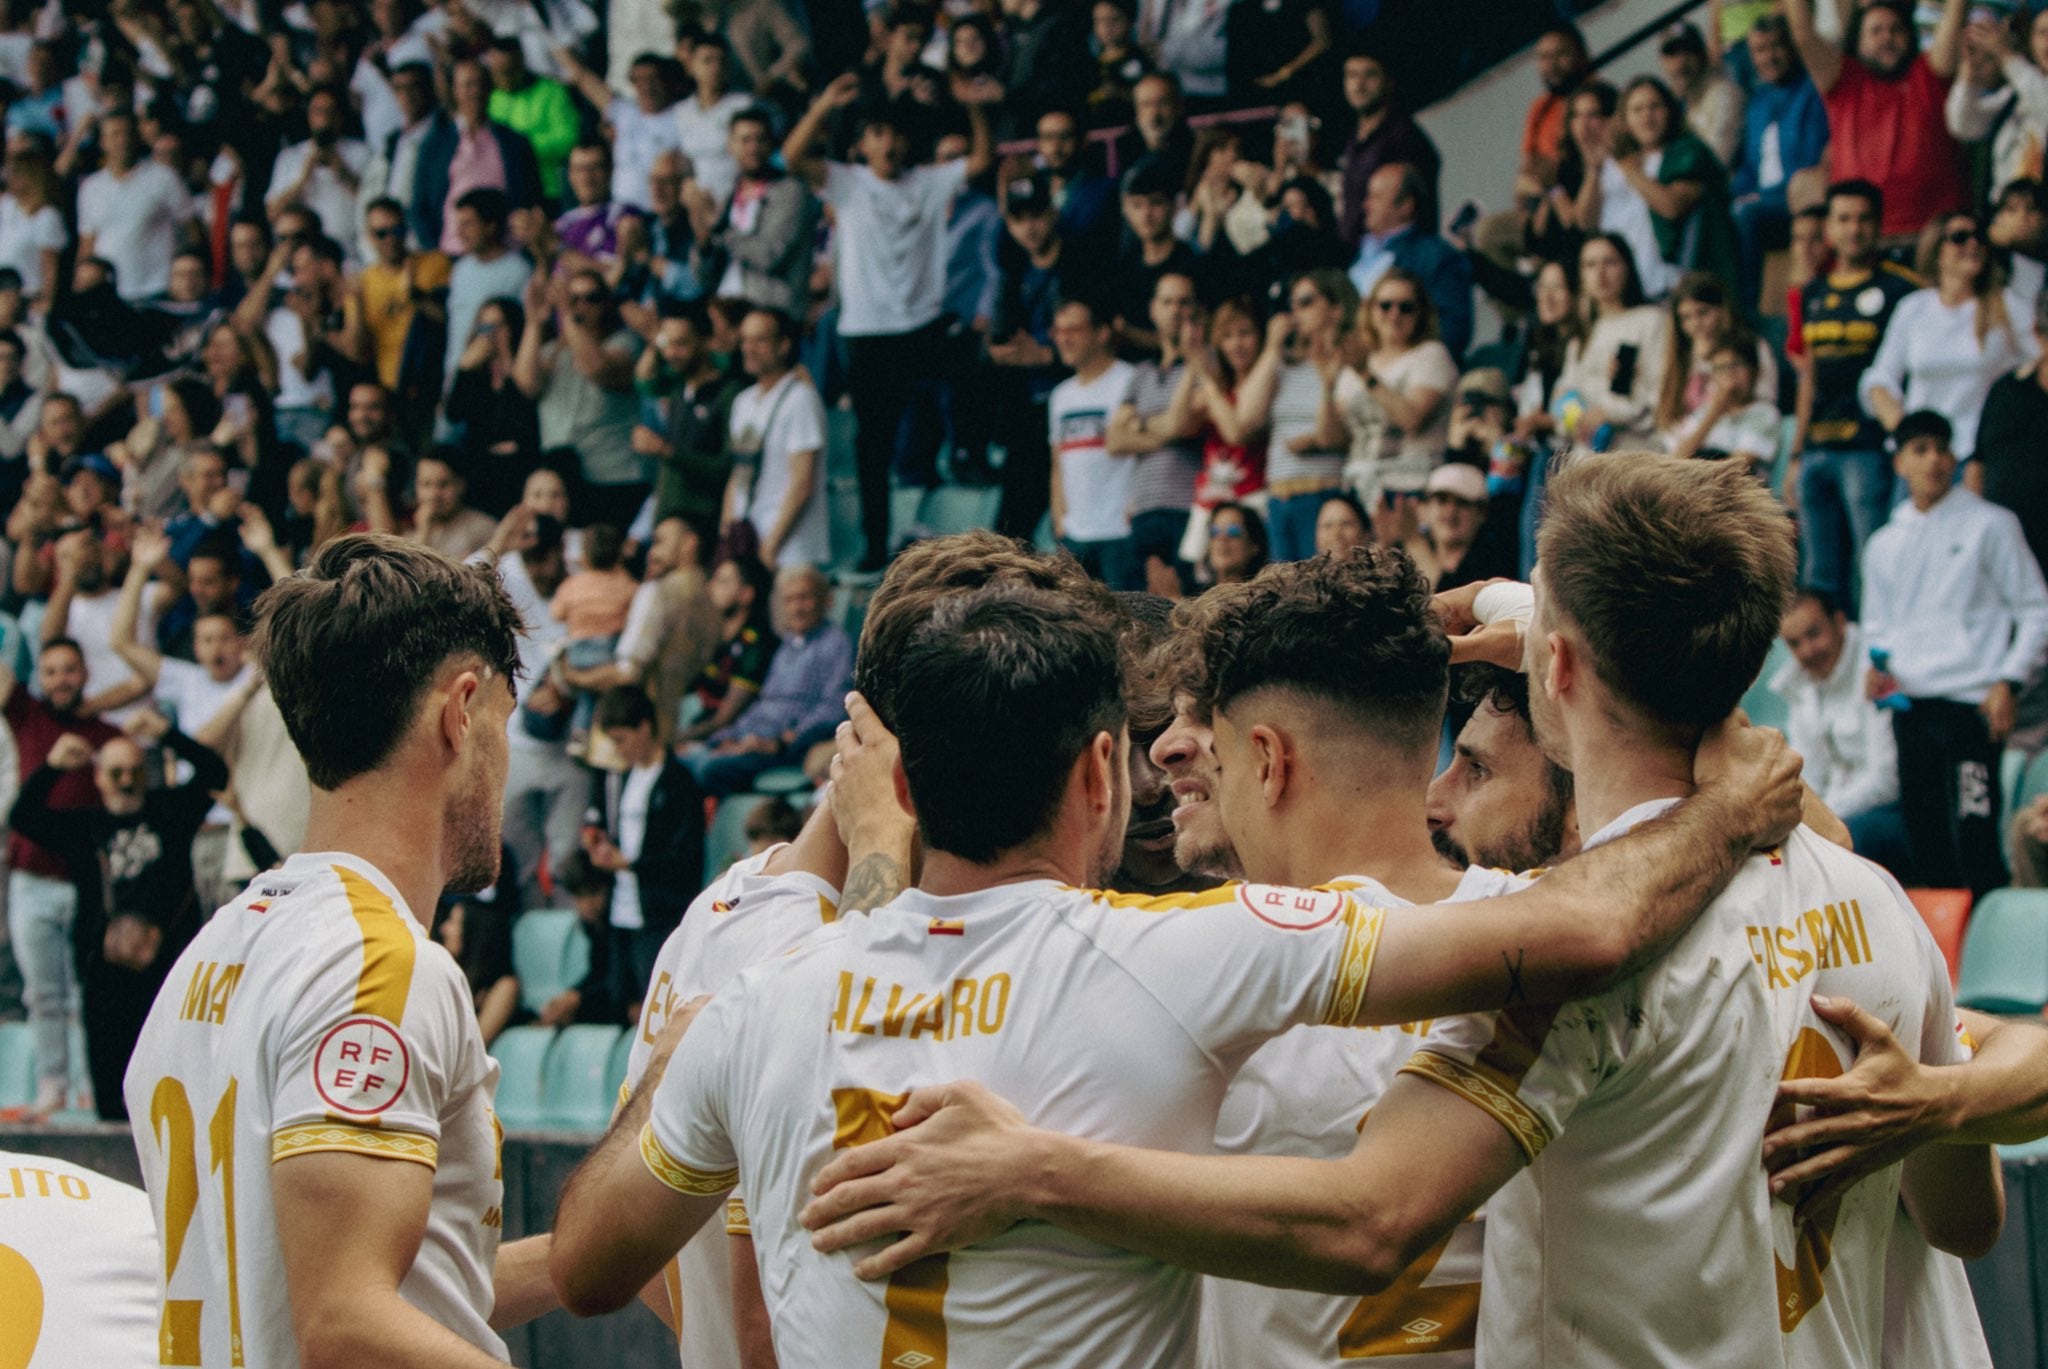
(1422, 1328)
(914, 1359)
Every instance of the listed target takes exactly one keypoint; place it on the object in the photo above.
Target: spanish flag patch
(946, 926)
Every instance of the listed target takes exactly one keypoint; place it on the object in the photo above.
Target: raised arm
(1822, 59)
(1945, 47)
(150, 550)
(799, 149)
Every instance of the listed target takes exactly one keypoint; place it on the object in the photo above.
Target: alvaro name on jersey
(312, 1014)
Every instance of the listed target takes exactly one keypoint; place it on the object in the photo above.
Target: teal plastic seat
(842, 509)
(783, 779)
(1762, 703)
(2005, 953)
(542, 940)
(17, 1065)
(2033, 781)
(726, 839)
(574, 1095)
(622, 1056)
(2012, 772)
(521, 1053)
(960, 508)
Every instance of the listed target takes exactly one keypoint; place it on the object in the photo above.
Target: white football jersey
(1307, 1093)
(78, 1267)
(311, 1014)
(1643, 1233)
(740, 918)
(1930, 1315)
(1104, 1016)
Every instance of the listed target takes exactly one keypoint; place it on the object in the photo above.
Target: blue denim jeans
(40, 911)
(1109, 561)
(1844, 497)
(1291, 524)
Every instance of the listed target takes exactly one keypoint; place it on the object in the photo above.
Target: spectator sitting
(646, 827)
(757, 243)
(1705, 322)
(1449, 549)
(440, 519)
(1084, 200)
(1852, 760)
(671, 628)
(1612, 379)
(590, 230)
(83, 603)
(1159, 127)
(582, 384)
(801, 701)
(686, 416)
(1149, 252)
(770, 823)
(592, 1000)
(131, 861)
(1960, 636)
(2019, 233)
(1383, 135)
(591, 604)
(740, 592)
(476, 929)
(1658, 161)
(1409, 375)
(2001, 92)
(323, 173)
(1734, 422)
(1236, 547)
(1341, 525)
(704, 118)
(2007, 468)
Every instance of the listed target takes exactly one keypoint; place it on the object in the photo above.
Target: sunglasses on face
(1403, 307)
(1962, 237)
(1306, 301)
(1230, 530)
(390, 232)
(584, 297)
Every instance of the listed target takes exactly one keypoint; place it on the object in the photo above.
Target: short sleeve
(374, 1049)
(842, 183)
(687, 1142)
(804, 420)
(47, 230)
(1236, 966)
(1434, 369)
(947, 180)
(1530, 1068)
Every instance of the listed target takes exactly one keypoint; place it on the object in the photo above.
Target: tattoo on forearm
(1514, 969)
(873, 881)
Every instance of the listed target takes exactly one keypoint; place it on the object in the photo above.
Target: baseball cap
(1027, 195)
(1458, 480)
(98, 464)
(1151, 176)
(1683, 37)
(1484, 382)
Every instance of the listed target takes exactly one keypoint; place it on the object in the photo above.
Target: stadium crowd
(630, 333)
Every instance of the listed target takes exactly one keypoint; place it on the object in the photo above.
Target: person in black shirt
(132, 862)
(2011, 466)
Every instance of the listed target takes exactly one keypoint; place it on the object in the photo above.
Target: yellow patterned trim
(384, 1145)
(736, 1223)
(1354, 963)
(1484, 1092)
(696, 1183)
(1164, 903)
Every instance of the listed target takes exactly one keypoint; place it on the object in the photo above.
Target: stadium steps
(2005, 953)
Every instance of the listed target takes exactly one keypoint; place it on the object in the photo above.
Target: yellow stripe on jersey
(695, 1183)
(310, 1137)
(1165, 903)
(828, 911)
(736, 1223)
(1354, 963)
(388, 949)
(1482, 1091)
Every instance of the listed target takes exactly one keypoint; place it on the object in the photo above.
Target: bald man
(132, 861)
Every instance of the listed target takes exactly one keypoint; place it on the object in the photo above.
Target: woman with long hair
(155, 449)
(1948, 343)
(501, 432)
(1556, 227)
(1607, 396)
(1237, 544)
(1233, 464)
(1706, 321)
(2001, 93)
(1409, 376)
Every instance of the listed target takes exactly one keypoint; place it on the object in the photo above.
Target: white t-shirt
(1307, 1093)
(701, 133)
(742, 918)
(1643, 1111)
(1623, 210)
(1096, 485)
(1018, 986)
(332, 200)
(312, 1014)
(634, 792)
(25, 237)
(786, 419)
(133, 222)
(637, 139)
(79, 1265)
(287, 334)
(194, 698)
(1930, 1315)
(1407, 458)
(91, 625)
(891, 244)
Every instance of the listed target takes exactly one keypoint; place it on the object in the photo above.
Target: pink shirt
(477, 165)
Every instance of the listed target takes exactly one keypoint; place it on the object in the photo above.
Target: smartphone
(1390, 500)
(1467, 215)
(1625, 357)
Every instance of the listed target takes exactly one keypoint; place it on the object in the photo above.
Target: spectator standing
(2001, 93)
(131, 863)
(32, 231)
(1713, 103)
(1165, 462)
(394, 170)
(591, 606)
(325, 172)
(589, 232)
(535, 107)
(468, 152)
(703, 118)
(486, 267)
(42, 901)
(2019, 236)
(1562, 67)
(1084, 199)
(1885, 107)
(1409, 376)
(1395, 236)
(1842, 480)
(1784, 132)
(440, 518)
(402, 306)
(1233, 457)
(802, 699)
(777, 443)
(1042, 269)
(1302, 390)
(1948, 343)
(741, 592)
(757, 244)
(499, 424)
(891, 274)
(84, 599)
(1956, 604)
(1159, 127)
(1662, 164)
(132, 212)
(1148, 253)
(671, 630)
(269, 780)
(2007, 468)
(642, 126)
(476, 929)
(1852, 760)
(1090, 487)
(646, 826)
(1382, 134)
(581, 381)
(686, 417)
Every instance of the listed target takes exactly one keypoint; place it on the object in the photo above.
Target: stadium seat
(2012, 770)
(725, 841)
(540, 954)
(842, 507)
(14, 647)
(573, 1091)
(1781, 462)
(783, 779)
(2005, 953)
(521, 1052)
(1762, 703)
(17, 1066)
(1946, 913)
(960, 508)
(622, 1055)
(2033, 781)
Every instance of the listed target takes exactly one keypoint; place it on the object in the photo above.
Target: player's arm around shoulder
(632, 1204)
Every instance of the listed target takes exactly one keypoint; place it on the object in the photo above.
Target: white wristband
(1508, 601)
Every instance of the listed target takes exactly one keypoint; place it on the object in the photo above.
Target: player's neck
(391, 823)
(945, 874)
(1384, 838)
(1616, 769)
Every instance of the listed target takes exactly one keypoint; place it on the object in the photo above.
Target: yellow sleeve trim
(736, 1223)
(1165, 903)
(334, 1136)
(695, 1183)
(1484, 1092)
(1354, 963)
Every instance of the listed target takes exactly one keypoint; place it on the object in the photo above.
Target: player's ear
(1562, 666)
(1098, 773)
(1274, 760)
(458, 708)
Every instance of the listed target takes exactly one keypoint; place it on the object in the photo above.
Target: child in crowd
(592, 604)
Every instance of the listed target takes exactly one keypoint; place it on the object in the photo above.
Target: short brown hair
(1357, 633)
(1676, 572)
(929, 571)
(351, 642)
